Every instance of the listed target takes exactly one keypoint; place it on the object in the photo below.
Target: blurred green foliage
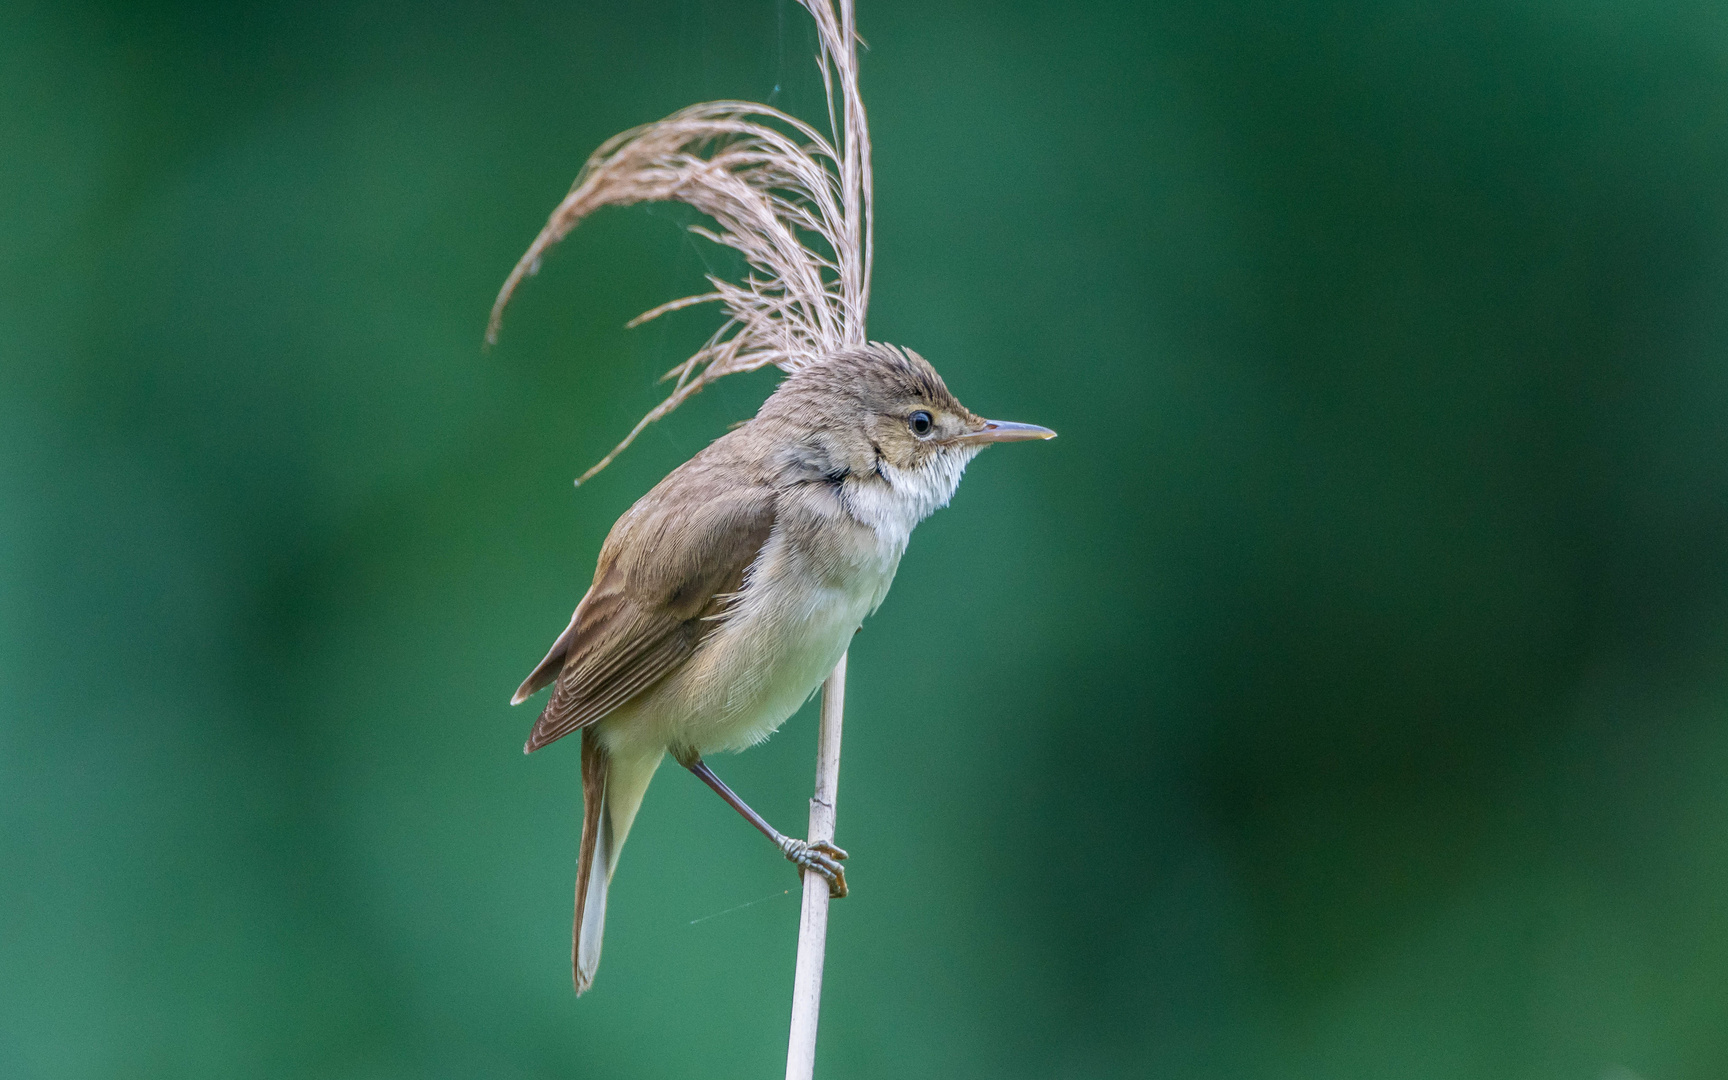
(1342, 696)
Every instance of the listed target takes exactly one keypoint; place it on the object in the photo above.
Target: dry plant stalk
(813, 914)
(796, 206)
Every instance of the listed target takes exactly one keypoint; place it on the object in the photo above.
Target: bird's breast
(802, 600)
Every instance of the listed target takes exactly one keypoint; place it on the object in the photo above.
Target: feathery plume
(793, 203)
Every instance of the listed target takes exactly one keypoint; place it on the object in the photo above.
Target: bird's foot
(822, 857)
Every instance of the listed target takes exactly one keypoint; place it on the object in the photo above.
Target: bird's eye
(920, 422)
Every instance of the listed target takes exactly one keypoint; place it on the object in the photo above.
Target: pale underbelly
(748, 676)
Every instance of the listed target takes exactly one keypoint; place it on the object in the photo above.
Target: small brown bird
(727, 593)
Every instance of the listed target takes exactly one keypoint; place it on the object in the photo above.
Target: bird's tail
(612, 790)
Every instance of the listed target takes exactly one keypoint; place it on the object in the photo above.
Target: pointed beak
(1005, 431)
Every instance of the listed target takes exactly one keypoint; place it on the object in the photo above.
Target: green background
(1342, 695)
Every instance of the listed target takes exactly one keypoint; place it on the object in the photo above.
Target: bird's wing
(665, 573)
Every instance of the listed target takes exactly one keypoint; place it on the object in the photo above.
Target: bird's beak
(1005, 431)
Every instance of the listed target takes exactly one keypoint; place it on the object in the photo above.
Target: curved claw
(822, 857)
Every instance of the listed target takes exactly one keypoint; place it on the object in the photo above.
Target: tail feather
(593, 865)
(612, 791)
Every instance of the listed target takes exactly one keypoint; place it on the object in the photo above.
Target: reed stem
(813, 920)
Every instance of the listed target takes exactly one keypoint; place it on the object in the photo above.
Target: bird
(725, 595)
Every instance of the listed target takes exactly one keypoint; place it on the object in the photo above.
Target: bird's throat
(892, 501)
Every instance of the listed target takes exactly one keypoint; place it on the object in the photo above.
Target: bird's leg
(822, 857)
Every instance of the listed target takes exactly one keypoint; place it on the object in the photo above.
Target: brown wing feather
(576, 703)
(548, 668)
(669, 566)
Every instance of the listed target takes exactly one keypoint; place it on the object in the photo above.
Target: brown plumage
(728, 591)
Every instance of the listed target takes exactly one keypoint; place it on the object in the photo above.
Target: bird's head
(883, 412)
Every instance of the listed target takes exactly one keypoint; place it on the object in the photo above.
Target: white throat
(895, 504)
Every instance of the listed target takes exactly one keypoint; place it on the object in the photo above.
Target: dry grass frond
(793, 203)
